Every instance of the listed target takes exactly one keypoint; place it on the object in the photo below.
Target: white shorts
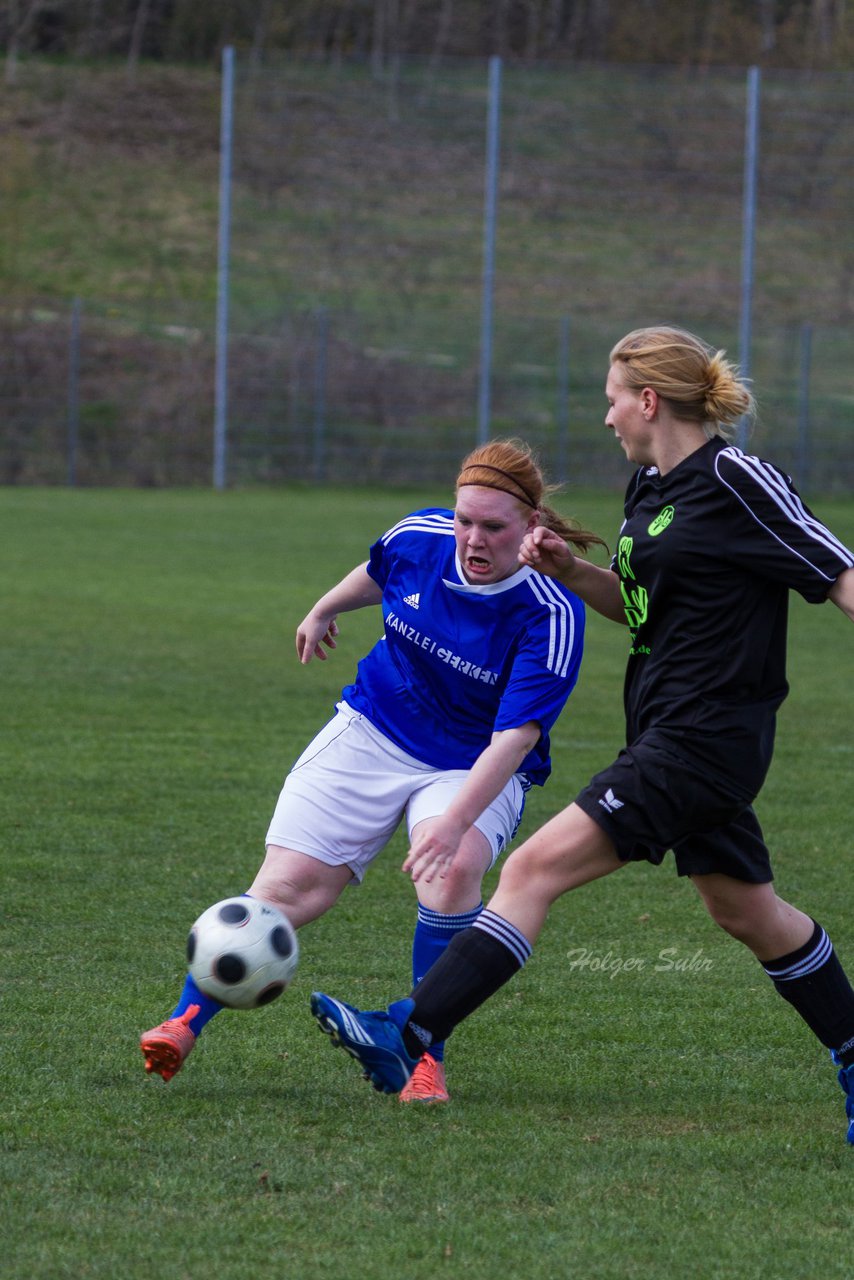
(344, 798)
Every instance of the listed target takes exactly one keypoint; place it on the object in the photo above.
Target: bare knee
(754, 914)
(460, 888)
(301, 886)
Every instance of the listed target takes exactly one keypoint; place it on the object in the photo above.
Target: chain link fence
(356, 282)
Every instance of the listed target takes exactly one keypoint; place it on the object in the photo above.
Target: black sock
(473, 966)
(814, 983)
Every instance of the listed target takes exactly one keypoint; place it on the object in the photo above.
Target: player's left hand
(435, 842)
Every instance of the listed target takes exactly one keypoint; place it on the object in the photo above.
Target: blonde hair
(699, 383)
(510, 466)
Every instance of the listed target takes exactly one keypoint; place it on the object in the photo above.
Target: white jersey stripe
(562, 624)
(562, 615)
(771, 480)
(792, 507)
(538, 592)
(427, 524)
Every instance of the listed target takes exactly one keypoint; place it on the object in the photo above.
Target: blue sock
(208, 1007)
(192, 995)
(433, 932)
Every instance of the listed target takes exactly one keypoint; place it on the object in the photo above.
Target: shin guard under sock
(433, 932)
(474, 965)
(814, 983)
(208, 1007)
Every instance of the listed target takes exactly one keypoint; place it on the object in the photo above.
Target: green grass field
(635, 1116)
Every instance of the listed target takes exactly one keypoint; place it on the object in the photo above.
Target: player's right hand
(547, 552)
(312, 634)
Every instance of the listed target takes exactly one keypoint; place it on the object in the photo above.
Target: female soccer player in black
(712, 542)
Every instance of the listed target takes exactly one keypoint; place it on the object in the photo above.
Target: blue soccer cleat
(846, 1081)
(373, 1039)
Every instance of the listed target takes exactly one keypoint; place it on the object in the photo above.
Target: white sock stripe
(444, 920)
(819, 955)
(506, 933)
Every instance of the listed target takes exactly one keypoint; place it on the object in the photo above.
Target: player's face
(489, 526)
(626, 418)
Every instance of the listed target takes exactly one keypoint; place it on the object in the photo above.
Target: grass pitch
(636, 1103)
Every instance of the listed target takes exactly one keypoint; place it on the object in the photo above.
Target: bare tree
(824, 20)
(260, 27)
(767, 25)
(378, 37)
(22, 15)
(443, 30)
(533, 16)
(137, 36)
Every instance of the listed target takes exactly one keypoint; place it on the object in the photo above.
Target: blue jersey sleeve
(545, 668)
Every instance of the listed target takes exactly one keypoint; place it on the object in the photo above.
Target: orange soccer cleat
(167, 1047)
(427, 1082)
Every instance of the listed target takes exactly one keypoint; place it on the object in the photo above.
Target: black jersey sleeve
(774, 533)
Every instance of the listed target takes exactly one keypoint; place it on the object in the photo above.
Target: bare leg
(301, 886)
(754, 915)
(460, 889)
(567, 852)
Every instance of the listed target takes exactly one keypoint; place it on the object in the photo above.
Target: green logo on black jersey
(624, 552)
(635, 600)
(661, 521)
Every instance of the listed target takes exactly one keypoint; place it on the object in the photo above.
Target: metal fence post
(321, 348)
(804, 374)
(74, 390)
(489, 217)
(751, 152)
(221, 371)
(562, 419)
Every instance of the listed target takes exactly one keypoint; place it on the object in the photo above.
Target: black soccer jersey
(706, 557)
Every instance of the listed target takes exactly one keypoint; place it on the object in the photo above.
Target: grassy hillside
(108, 186)
(361, 201)
(350, 192)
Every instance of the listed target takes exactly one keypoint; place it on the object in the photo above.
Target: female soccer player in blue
(712, 542)
(446, 723)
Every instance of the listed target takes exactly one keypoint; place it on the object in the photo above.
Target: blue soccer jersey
(458, 661)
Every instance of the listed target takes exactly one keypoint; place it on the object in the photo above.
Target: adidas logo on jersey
(412, 600)
(610, 802)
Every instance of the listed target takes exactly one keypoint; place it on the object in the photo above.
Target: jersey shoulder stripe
(562, 629)
(421, 522)
(765, 480)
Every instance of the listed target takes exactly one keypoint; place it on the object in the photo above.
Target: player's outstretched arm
(319, 626)
(436, 840)
(547, 552)
(842, 593)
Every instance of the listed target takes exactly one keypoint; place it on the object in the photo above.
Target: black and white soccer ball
(242, 952)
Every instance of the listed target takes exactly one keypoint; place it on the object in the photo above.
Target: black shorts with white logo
(657, 796)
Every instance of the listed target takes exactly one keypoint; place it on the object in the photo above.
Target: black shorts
(656, 796)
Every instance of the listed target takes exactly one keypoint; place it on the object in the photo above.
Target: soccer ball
(242, 952)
